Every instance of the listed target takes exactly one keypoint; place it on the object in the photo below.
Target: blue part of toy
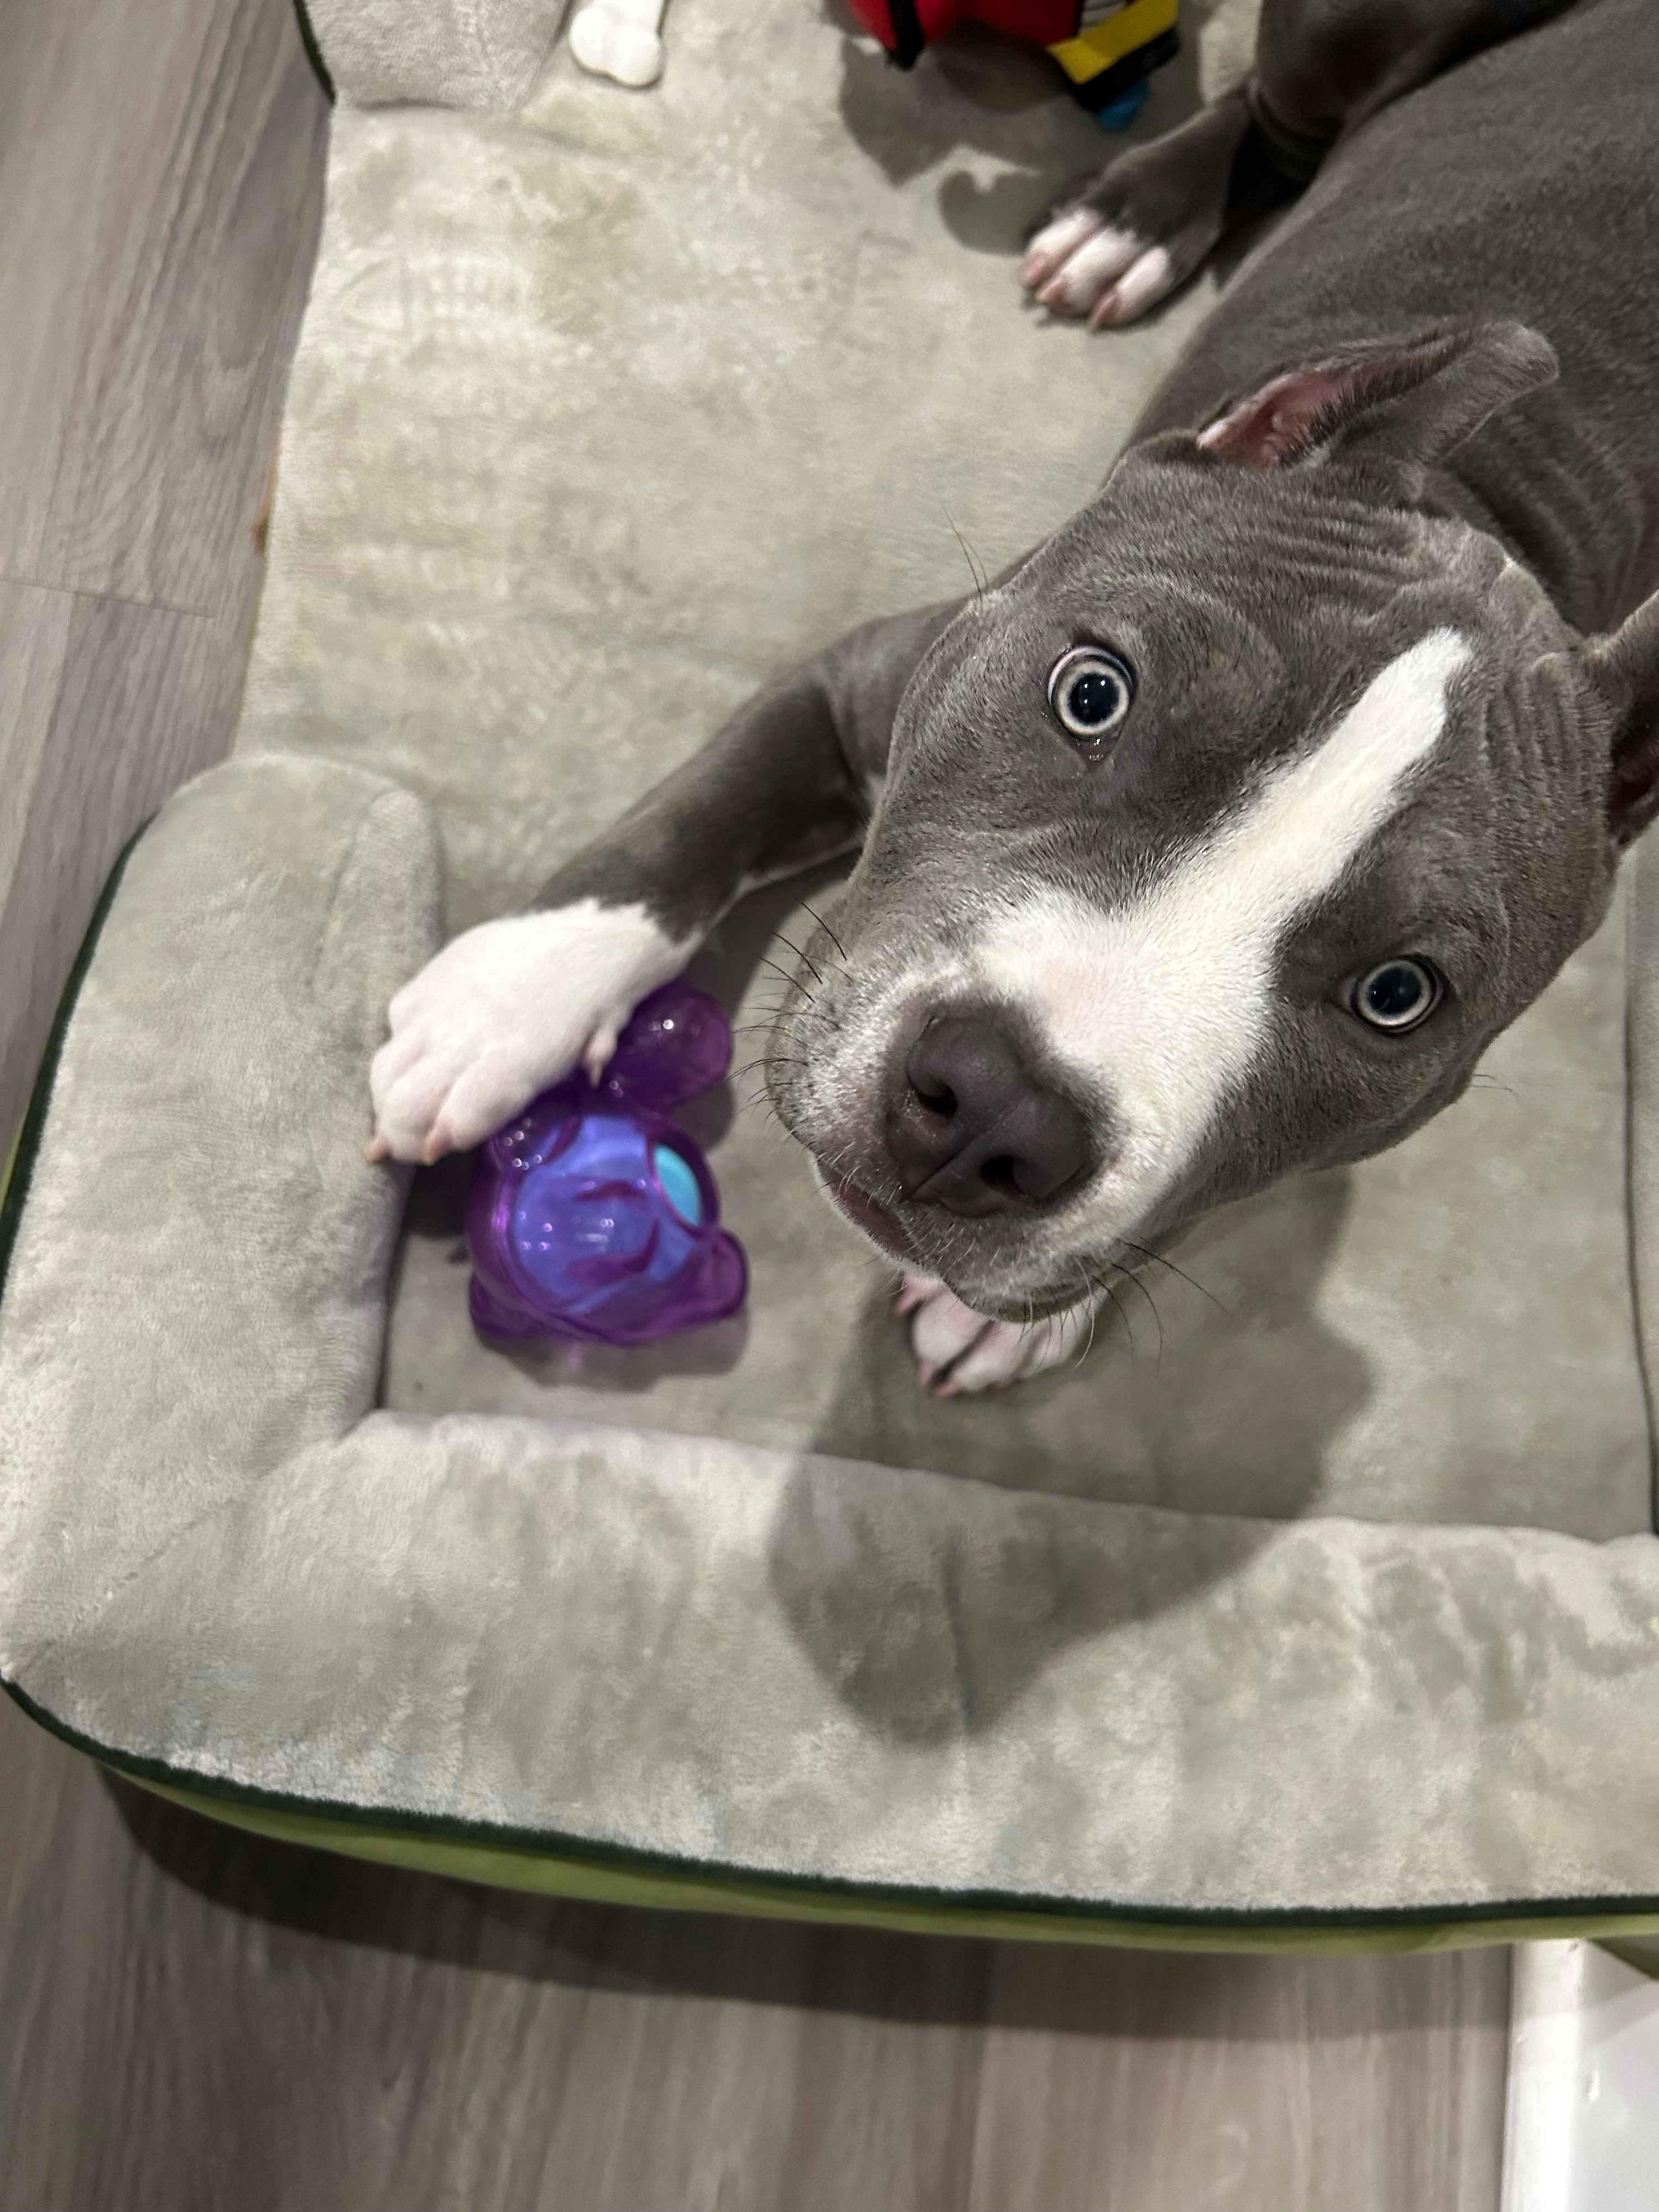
(1122, 111)
(679, 1183)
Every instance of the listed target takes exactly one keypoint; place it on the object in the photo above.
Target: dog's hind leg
(1147, 223)
(1131, 235)
(961, 1353)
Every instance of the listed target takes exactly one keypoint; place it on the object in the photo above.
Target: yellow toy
(1108, 48)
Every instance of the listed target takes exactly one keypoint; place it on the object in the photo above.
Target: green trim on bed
(26, 1144)
(1632, 1263)
(313, 52)
(5, 1185)
(596, 1873)
(586, 1880)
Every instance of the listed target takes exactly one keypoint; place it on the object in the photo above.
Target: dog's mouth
(882, 1229)
(869, 1214)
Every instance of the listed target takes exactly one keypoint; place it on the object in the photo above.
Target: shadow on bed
(928, 1634)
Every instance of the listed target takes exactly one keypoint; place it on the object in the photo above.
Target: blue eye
(1089, 690)
(1397, 995)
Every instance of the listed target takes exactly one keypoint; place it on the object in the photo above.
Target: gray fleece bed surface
(1326, 1585)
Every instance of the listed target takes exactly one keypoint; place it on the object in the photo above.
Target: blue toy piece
(1118, 114)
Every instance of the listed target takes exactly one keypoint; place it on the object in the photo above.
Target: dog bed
(1319, 1604)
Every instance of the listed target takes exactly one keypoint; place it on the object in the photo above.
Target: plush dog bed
(1320, 1603)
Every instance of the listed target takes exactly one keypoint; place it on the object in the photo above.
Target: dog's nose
(972, 1130)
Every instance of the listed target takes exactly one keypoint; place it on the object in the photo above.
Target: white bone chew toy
(620, 38)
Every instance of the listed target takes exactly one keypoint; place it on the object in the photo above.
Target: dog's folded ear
(1624, 668)
(1409, 401)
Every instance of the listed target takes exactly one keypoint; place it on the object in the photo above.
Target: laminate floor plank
(162, 164)
(160, 168)
(1245, 2084)
(106, 707)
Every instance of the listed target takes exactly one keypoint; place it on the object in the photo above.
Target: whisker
(825, 927)
(755, 1066)
(793, 981)
(1094, 1310)
(1146, 1253)
(1130, 1276)
(795, 1010)
(1118, 1309)
(973, 570)
(798, 954)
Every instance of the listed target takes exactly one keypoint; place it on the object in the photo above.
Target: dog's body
(1218, 838)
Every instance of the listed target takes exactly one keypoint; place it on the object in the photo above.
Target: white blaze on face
(1164, 1002)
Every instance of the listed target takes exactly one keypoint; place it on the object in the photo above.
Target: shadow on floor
(1073, 1989)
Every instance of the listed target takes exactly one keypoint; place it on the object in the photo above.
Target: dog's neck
(1542, 482)
(1520, 186)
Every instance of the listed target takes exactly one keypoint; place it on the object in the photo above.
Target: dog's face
(1217, 842)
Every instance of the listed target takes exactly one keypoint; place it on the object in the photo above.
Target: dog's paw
(503, 1012)
(1143, 225)
(1082, 264)
(959, 1352)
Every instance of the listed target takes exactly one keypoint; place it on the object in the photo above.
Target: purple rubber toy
(592, 1215)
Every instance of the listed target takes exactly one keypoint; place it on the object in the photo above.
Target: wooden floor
(192, 2020)
(161, 175)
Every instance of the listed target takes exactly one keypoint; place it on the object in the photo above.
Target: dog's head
(1218, 840)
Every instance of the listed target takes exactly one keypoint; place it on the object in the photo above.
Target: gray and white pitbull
(1220, 836)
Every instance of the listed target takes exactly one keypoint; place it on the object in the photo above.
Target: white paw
(1056, 242)
(612, 38)
(501, 1012)
(959, 1352)
(1079, 264)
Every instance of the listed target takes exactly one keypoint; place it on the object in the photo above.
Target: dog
(1216, 838)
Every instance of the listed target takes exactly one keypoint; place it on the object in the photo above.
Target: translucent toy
(592, 1215)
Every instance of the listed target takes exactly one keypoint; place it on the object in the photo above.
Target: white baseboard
(1580, 2130)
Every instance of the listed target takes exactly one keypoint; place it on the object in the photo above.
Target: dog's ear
(1624, 668)
(1411, 400)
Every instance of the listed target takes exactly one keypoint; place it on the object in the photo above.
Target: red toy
(1108, 48)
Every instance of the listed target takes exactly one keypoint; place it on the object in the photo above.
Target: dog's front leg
(512, 1006)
